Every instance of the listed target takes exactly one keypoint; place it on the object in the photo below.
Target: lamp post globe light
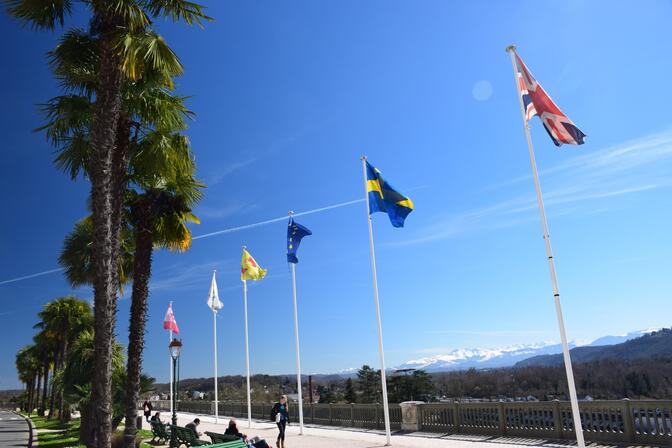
(175, 347)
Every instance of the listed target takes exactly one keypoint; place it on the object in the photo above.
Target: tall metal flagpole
(576, 415)
(214, 327)
(298, 356)
(247, 360)
(383, 377)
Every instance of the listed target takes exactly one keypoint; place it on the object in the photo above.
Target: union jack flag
(537, 102)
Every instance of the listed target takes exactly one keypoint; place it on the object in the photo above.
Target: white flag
(213, 298)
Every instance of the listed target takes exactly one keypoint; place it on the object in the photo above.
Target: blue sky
(289, 96)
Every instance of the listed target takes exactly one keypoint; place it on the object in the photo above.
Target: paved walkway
(14, 430)
(330, 437)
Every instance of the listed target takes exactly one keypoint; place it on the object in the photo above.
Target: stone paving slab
(331, 437)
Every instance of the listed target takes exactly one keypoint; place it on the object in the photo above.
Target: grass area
(57, 435)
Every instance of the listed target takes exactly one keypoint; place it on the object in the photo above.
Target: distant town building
(196, 395)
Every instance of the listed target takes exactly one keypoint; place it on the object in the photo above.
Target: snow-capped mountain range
(482, 358)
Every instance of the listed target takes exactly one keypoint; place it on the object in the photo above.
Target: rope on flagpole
(576, 414)
(383, 376)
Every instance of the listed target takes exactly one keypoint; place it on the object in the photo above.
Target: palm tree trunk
(108, 103)
(37, 390)
(52, 394)
(62, 413)
(142, 268)
(31, 393)
(45, 387)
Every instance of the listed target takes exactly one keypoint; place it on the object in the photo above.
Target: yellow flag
(249, 269)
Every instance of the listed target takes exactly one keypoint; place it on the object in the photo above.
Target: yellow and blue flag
(295, 232)
(384, 198)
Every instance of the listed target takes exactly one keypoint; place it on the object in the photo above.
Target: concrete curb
(32, 432)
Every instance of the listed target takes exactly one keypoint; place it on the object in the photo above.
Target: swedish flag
(384, 198)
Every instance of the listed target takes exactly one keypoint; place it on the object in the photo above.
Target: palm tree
(160, 165)
(160, 217)
(115, 22)
(45, 346)
(76, 381)
(62, 320)
(28, 368)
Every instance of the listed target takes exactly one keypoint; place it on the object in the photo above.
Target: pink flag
(169, 321)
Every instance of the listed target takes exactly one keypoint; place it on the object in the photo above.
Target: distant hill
(653, 345)
(493, 358)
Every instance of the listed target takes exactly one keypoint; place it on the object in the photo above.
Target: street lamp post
(174, 347)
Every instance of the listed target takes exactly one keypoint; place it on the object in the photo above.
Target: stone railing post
(628, 423)
(352, 415)
(501, 413)
(557, 420)
(212, 408)
(410, 415)
(456, 415)
(331, 414)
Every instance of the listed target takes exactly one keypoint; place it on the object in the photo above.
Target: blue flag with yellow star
(384, 198)
(295, 232)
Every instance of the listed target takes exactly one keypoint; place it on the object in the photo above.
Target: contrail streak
(26, 277)
(271, 221)
(208, 235)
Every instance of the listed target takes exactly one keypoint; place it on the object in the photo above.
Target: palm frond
(75, 61)
(77, 252)
(73, 154)
(156, 108)
(127, 13)
(66, 115)
(40, 14)
(142, 52)
(190, 12)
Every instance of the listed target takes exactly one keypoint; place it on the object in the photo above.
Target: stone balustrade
(617, 421)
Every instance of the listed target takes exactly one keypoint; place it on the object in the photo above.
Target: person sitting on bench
(194, 425)
(232, 430)
(156, 418)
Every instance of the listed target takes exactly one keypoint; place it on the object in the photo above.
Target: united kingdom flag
(537, 102)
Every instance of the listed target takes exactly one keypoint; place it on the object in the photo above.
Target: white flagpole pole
(576, 414)
(247, 360)
(298, 357)
(383, 378)
(214, 326)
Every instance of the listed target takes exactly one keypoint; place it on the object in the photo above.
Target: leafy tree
(326, 394)
(368, 382)
(121, 26)
(350, 395)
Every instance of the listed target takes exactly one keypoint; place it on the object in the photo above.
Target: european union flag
(384, 198)
(295, 232)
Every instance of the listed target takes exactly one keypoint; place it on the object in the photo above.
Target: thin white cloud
(229, 169)
(630, 168)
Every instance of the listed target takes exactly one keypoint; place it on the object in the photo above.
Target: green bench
(159, 432)
(221, 438)
(233, 444)
(186, 436)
